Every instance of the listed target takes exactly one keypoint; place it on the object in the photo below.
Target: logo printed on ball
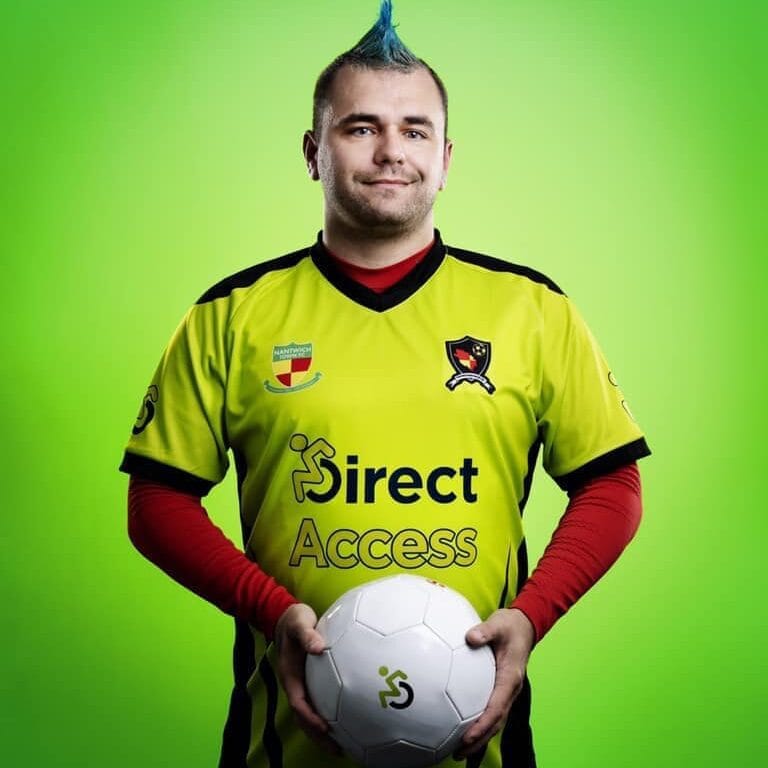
(396, 689)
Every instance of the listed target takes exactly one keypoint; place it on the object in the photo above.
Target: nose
(389, 149)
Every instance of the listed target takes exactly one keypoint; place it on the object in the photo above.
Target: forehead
(388, 93)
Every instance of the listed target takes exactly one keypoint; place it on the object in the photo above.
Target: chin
(378, 217)
(385, 226)
(371, 215)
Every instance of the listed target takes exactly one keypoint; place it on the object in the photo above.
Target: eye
(414, 134)
(361, 130)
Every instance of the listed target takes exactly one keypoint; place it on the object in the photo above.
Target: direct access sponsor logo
(321, 477)
(378, 548)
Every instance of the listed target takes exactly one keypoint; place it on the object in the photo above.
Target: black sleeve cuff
(149, 469)
(614, 459)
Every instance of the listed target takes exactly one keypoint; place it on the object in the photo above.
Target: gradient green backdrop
(150, 148)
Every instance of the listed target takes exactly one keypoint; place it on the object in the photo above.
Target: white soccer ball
(397, 682)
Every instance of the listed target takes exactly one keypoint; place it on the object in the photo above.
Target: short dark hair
(379, 48)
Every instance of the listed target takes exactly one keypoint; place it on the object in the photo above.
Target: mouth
(387, 182)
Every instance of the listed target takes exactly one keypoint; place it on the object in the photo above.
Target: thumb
(480, 634)
(312, 641)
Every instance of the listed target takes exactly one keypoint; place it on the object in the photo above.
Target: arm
(172, 529)
(601, 518)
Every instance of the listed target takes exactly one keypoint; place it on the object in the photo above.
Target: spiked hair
(379, 48)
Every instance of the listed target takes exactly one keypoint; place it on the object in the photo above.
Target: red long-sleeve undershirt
(173, 530)
(600, 520)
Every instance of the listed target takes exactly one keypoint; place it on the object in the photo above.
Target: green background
(150, 148)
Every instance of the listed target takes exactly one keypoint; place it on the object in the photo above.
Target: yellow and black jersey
(377, 433)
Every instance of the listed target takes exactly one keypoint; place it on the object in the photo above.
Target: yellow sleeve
(584, 421)
(180, 433)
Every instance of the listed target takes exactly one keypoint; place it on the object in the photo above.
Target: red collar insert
(380, 279)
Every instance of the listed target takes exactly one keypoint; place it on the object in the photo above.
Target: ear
(447, 155)
(309, 148)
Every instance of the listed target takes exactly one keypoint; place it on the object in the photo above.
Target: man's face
(381, 155)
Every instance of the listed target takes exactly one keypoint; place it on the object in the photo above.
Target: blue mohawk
(379, 48)
(381, 44)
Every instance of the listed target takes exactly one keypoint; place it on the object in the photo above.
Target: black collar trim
(379, 302)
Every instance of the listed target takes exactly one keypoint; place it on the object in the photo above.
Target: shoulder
(495, 266)
(250, 276)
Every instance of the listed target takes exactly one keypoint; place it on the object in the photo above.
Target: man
(385, 398)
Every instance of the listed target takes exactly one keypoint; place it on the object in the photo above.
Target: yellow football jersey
(378, 433)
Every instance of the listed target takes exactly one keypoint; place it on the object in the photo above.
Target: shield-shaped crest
(291, 363)
(470, 358)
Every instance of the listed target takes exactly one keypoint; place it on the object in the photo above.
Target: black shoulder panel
(499, 265)
(250, 275)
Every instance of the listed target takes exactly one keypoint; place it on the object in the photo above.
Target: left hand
(511, 637)
(296, 636)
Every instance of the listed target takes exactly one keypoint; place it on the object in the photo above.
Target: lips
(388, 182)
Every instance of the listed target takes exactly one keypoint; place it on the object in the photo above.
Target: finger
(310, 721)
(506, 689)
(304, 710)
(479, 743)
(478, 635)
(489, 631)
(487, 724)
(298, 699)
(290, 671)
(312, 641)
(323, 739)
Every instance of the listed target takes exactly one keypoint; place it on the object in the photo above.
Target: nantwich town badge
(290, 365)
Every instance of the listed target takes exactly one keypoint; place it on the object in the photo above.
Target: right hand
(511, 635)
(295, 637)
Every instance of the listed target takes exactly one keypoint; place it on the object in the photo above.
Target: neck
(375, 250)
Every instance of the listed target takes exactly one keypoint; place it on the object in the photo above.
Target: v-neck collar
(396, 294)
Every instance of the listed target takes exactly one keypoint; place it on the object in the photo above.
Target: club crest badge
(291, 365)
(470, 359)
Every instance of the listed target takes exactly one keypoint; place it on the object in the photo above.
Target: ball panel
(452, 741)
(401, 754)
(351, 748)
(335, 621)
(395, 686)
(471, 679)
(450, 615)
(324, 684)
(377, 610)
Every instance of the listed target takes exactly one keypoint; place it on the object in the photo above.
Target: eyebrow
(365, 117)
